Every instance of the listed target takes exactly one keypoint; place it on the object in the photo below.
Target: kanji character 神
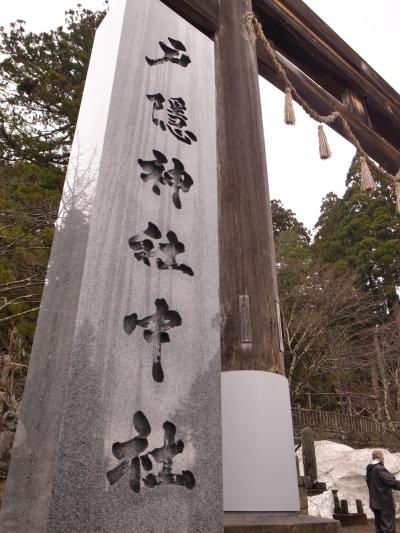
(154, 171)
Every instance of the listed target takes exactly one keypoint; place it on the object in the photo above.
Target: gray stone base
(278, 523)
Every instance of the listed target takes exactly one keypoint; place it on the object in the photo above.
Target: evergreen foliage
(41, 84)
(361, 231)
(285, 220)
(29, 197)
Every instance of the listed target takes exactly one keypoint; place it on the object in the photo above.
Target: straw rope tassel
(367, 181)
(324, 150)
(290, 117)
(397, 189)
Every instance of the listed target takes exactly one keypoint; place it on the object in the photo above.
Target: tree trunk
(382, 371)
(376, 391)
(396, 312)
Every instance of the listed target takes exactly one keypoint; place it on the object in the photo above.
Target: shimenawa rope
(367, 183)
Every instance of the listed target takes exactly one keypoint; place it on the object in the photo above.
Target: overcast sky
(297, 176)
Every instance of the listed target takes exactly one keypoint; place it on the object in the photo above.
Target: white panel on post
(259, 468)
(128, 375)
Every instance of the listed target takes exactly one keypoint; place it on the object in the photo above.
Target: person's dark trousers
(385, 521)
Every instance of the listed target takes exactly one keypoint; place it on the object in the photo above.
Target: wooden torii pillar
(256, 412)
(250, 337)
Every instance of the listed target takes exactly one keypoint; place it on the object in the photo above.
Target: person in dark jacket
(380, 484)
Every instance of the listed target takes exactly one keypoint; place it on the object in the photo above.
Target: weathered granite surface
(30, 477)
(91, 371)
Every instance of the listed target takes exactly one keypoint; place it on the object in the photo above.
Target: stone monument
(308, 454)
(120, 425)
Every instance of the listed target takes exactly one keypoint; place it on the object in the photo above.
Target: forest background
(338, 290)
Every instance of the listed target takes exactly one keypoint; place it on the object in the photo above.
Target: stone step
(246, 522)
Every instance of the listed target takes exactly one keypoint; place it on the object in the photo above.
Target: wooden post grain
(248, 287)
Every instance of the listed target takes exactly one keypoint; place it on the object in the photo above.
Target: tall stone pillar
(120, 422)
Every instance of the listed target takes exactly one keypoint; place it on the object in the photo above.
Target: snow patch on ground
(343, 468)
